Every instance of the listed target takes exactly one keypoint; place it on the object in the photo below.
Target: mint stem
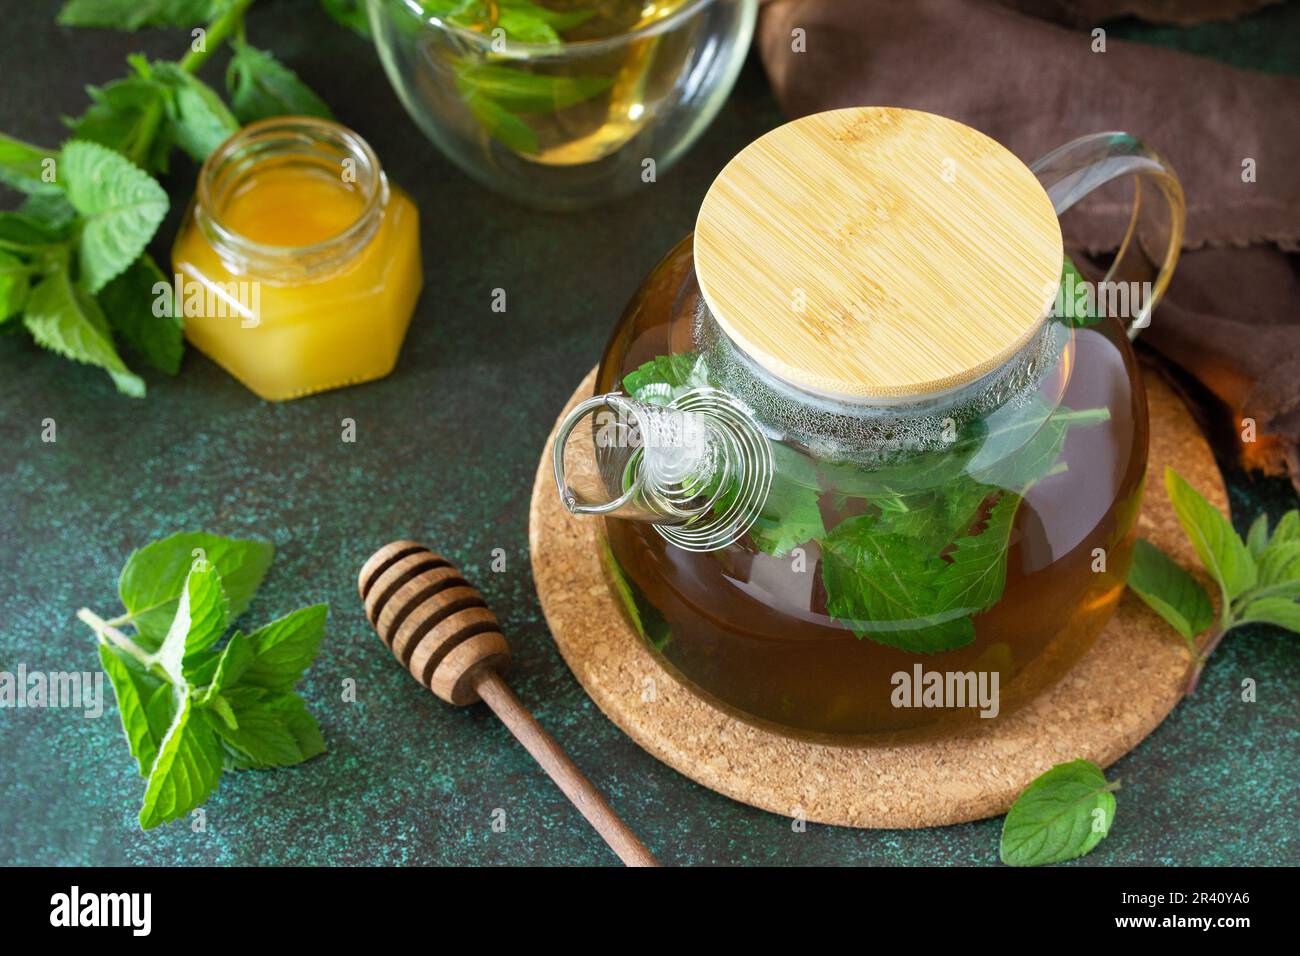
(216, 33)
(1203, 658)
(106, 631)
(149, 128)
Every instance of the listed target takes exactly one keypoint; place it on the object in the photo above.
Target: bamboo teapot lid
(877, 253)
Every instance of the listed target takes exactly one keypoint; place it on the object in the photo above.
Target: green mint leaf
(187, 770)
(161, 710)
(63, 319)
(880, 587)
(134, 687)
(127, 116)
(976, 571)
(128, 303)
(1003, 432)
(1033, 460)
(1279, 564)
(523, 20)
(932, 519)
(223, 672)
(1075, 308)
(1169, 590)
(1257, 539)
(283, 650)
(273, 730)
(790, 517)
(29, 234)
(133, 14)
(523, 26)
(350, 14)
(122, 206)
(665, 377)
(1061, 815)
(198, 119)
(201, 616)
(895, 589)
(50, 213)
(559, 20)
(24, 166)
(518, 91)
(1279, 568)
(1288, 528)
(1222, 552)
(221, 707)
(501, 124)
(154, 576)
(261, 86)
(1014, 447)
(204, 601)
(645, 618)
(921, 517)
(15, 282)
(1282, 611)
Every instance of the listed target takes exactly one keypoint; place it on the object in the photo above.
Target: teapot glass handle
(1071, 172)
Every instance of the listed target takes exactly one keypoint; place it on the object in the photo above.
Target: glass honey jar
(298, 263)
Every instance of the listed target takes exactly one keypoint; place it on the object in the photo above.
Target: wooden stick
(497, 694)
(440, 628)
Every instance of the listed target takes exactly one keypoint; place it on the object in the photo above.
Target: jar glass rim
(584, 46)
(306, 130)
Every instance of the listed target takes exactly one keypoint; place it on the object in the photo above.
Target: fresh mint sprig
(260, 86)
(1258, 579)
(499, 93)
(60, 251)
(73, 270)
(190, 708)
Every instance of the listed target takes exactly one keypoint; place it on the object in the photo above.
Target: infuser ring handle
(571, 421)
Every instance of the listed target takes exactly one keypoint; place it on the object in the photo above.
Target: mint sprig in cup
(563, 104)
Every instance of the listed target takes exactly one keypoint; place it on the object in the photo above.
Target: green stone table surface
(445, 453)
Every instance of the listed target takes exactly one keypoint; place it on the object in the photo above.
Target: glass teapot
(868, 449)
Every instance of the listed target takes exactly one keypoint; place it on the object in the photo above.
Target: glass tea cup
(559, 104)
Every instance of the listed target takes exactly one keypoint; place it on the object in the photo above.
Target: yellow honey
(298, 265)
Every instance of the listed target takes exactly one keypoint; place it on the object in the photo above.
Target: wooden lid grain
(877, 253)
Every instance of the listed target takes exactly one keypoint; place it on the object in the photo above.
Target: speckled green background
(446, 449)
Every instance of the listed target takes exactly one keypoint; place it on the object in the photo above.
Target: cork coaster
(1116, 695)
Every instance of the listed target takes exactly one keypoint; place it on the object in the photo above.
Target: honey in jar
(298, 262)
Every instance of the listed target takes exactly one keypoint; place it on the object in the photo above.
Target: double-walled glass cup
(578, 119)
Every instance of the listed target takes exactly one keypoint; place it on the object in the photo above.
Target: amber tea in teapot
(865, 473)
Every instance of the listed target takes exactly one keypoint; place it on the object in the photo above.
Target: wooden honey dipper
(441, 629)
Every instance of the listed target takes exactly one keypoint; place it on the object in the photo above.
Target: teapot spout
(696, 468)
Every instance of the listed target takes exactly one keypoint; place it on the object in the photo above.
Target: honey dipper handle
(497, 695)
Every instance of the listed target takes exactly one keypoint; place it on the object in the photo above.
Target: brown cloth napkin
(1231, 316)
(1088, 13)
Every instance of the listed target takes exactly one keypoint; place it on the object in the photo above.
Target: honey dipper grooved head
(434, 621)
